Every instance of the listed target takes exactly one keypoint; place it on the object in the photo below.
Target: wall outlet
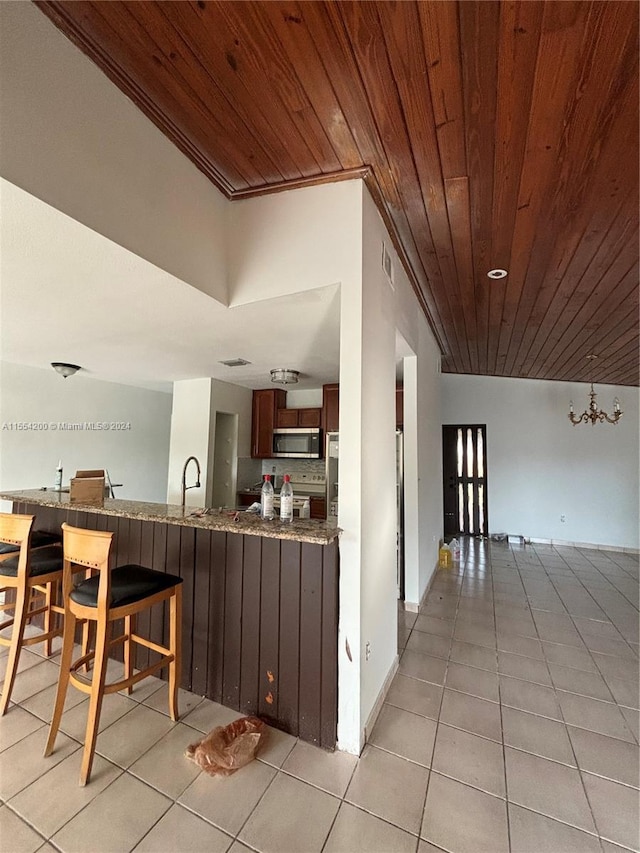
(367, 651)
(563, 518)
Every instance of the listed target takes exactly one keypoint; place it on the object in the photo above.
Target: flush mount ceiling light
(495, 274)
(284, 376)
(65, 369)
(594, 415)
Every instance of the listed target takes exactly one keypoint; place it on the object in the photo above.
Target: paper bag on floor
(228, 748)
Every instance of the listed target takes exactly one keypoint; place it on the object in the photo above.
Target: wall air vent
(387, 265)
(235, 362)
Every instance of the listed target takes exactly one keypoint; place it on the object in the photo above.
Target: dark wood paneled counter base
(260, 614)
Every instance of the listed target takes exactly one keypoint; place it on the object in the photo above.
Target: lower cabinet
(318, 508)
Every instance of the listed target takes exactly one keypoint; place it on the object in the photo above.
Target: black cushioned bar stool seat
(39, 539)
(129, 584)
(42, 562)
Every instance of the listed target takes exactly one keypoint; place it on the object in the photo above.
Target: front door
(464, 468)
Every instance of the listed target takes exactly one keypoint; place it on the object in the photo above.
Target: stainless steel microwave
(297, 443)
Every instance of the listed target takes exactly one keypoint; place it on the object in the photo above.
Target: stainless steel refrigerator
(331, 464)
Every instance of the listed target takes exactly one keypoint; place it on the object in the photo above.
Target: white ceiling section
(70, 294)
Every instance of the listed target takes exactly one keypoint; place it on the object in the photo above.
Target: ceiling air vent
(386, 265)
(234, 362)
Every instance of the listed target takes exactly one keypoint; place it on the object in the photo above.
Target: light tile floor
(512, 725)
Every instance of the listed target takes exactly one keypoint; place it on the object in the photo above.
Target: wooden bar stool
(30, 567)
(102, 599)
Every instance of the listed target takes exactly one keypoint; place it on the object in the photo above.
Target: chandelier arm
(585, 416)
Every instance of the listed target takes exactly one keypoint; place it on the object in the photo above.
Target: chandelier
(593, 414)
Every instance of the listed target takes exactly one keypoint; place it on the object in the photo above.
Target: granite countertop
(301, 530)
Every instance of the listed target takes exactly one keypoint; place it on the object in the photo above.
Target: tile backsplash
(250, 471)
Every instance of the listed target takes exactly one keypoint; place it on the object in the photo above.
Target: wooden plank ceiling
(491, 134)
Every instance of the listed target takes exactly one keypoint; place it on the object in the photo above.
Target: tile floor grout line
(504, 753)
(579, 771)
(248, 817)
(561, 822)
(609, 621)
(435, 735)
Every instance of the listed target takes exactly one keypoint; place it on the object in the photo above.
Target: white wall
(292, 241)
(136, 457)
(378, 603)
(71, 138)
(233, 400)
(540, 466)
(371, 311)
(190, 436)
(422, 467)
(193, 424)
(429, 448)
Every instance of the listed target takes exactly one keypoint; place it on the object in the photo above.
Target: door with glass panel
(464, 468)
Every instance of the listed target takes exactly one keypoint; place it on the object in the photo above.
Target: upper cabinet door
(286, 418)
(330, 407)
(309, 417)
(265, 405)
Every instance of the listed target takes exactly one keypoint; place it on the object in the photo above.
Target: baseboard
(411, 606)
(377, 706)
(591, 546)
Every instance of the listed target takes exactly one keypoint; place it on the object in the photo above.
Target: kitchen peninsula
(260, 601)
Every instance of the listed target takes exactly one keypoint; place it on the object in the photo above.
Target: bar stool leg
(49, 616)
(175, 647)
(129, 623)
(63, 679)
(20, 616)
(103, 632)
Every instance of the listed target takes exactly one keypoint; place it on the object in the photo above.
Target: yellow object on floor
(444, 556)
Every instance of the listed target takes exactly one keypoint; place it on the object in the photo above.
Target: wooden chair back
(88, 548)
(16, 530)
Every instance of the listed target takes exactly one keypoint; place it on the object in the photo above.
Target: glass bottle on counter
(266, 499)
(286, 500)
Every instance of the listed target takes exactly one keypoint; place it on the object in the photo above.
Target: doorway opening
(464, 469)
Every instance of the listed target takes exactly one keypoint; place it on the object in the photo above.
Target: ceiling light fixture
(65, 369)
(594, 415)
(496, 274)
(284, 376)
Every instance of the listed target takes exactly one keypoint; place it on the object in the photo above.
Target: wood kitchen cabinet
(265, 407)
(287, 418)
(399, 407)
(330, 407)
(245, 500)
(318, 508)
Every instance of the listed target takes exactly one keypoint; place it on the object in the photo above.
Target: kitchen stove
(309, 485)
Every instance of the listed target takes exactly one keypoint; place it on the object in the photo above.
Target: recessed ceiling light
(497, 274)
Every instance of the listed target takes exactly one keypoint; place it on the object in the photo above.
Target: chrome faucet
(184, 479)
